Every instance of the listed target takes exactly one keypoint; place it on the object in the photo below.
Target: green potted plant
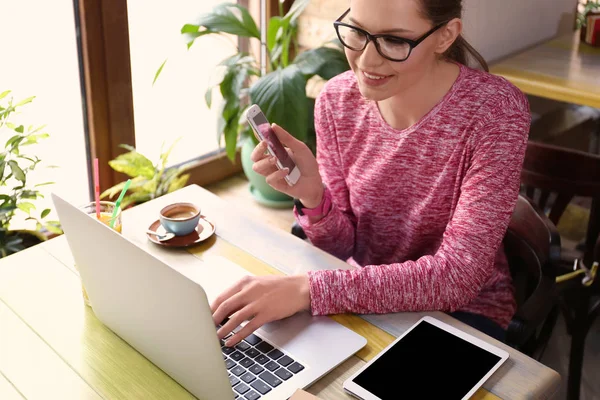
(280, 91)
(149, 180)
(16, 193)
(584, 9)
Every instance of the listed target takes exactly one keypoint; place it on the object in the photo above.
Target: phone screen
(265, 132)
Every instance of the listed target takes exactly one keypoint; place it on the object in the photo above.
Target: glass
(106, 210)
(47, 66)
(393, 48)
(174, 107)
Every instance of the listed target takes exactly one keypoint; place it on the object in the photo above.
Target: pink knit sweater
(422, 211)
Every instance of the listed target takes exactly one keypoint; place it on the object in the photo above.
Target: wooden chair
(532, 246)
(553, 176)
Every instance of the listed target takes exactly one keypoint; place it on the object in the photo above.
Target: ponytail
(461, 50)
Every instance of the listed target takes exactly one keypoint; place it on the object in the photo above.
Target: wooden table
(53, 347)
(562, 69)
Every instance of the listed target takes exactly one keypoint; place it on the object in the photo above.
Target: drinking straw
(118, 203)
(97, 187)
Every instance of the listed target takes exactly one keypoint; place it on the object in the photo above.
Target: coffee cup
(180, 218)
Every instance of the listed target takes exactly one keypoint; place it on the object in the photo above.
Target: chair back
(532, 247)
(553, 175)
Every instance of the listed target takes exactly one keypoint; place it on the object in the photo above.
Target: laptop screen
(428, 362)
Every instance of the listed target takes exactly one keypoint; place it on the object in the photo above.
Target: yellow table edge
(547, 86)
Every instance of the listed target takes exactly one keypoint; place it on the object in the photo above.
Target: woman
(417, 176)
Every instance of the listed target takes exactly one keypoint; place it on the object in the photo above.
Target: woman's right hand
(309, 188)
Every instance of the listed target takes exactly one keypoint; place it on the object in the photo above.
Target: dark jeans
(482, 324)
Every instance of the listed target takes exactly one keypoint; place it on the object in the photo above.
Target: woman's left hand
(259, 300)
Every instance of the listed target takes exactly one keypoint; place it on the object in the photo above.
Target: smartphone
(263, 131)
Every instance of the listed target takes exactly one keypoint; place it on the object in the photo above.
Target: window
(174, 107)
(43, 62)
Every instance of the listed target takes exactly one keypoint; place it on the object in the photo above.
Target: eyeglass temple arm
(343, 15)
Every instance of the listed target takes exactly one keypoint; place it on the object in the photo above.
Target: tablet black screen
(427, 363)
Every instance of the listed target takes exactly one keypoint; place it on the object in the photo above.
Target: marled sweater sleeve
(454, 275)
(335, 232)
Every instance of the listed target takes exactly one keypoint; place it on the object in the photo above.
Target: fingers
(243, 333)
(259, 152)
(245, 314)
(287, 139)
(266, 166)
(231, 303)
(277, 178)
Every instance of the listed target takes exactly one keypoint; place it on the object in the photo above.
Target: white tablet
(431, 360)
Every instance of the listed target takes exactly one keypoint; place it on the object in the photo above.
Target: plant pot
(31, 238)
(260, 189)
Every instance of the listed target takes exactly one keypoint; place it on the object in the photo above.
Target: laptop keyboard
(255, 367)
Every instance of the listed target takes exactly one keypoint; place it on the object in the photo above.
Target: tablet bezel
(356, 390)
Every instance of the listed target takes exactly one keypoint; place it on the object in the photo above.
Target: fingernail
(273, 160)
(287, 170)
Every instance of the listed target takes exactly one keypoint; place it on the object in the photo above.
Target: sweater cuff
(307, 221)
(322, 288)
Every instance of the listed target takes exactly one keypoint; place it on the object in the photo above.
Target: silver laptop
(163, 312)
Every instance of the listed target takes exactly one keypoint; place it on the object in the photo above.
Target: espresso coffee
(179, 214)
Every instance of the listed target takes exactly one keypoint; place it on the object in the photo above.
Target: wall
(495, 28)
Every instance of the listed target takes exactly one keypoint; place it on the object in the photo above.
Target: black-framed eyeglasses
(393, 48)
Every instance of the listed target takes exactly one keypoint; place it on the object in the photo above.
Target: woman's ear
(448, 34)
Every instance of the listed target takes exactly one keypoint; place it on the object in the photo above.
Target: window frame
(107, 88)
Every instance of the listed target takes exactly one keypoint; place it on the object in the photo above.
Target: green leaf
(127, 147)
(190, 38)
(17, 138)
(178, 183)
(6, 210)
(231, 134)
(133, 164)
(29, 194)
(136, 198)
(164, 157)
(285, 46)
(45, 213)
(323, 61)
(208, 96)
(230, 18)
(16, 171)
(23, 102)
(44, 184)
(136, 183)
(158, 72)
(20, 129)
(281, 95)
(190, 28)
(274, 31)
(26, 207)
(54, 227)
(33, 139)
(39, 128)
(150, 186)
(4, 94)
(295, 10)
